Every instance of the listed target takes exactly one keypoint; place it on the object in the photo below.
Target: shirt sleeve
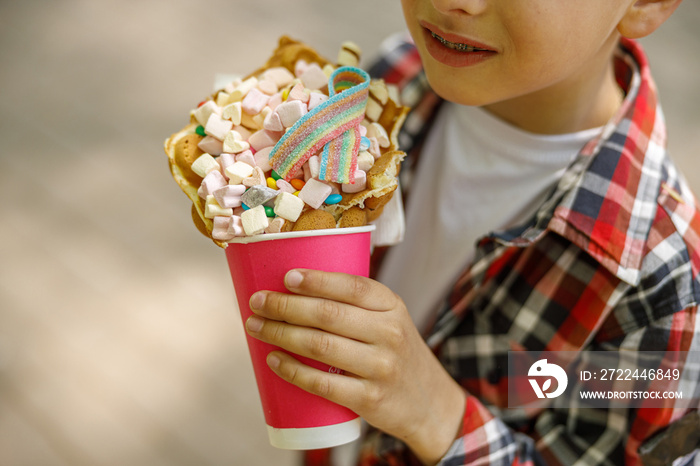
(564, 436)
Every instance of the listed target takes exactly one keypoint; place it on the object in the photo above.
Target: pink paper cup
(296, 419)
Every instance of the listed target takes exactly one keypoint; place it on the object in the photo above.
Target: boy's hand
(391, 379)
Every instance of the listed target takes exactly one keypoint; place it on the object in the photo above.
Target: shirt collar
(606, 201)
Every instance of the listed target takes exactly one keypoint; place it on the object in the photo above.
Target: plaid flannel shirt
(610, 262)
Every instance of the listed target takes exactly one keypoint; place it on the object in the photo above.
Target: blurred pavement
(120, 342)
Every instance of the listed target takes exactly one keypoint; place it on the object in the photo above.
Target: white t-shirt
(477, 174)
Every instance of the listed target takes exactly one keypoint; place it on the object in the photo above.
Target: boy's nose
(470, 7)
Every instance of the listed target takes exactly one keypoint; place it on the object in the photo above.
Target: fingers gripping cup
(295, 418)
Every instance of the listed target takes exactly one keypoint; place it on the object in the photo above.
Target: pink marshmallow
(211, 145)
(226, 160)
(267, 86)
(298, 93)
(359, 185)
(262, 158)
(275, 100)
(313, 77)
(300, 66)
(316, 98)
(273, 122)
(221, 228)
(290, 111)
(314, 193)
(247, 157)
(254, 101)
(243, 131)
(263, 138)
(213, 181)
(285, 186)
(229, 196)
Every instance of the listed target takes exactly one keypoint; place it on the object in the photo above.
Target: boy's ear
(644, 16)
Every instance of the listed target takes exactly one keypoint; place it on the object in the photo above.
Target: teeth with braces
(455, 46)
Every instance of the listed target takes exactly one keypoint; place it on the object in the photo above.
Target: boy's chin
(454, 91)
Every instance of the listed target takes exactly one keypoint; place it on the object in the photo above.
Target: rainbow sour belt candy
(333, 125)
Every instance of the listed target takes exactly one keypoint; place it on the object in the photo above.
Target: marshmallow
(211, 145)
(213, 181)
(238, 172)
(202, 113)
(300, 66)
(313, 77)
(226, 160)
(233, 112)
(254, 220)
(240, 91)
(247, 157)
(298, 92)
(222, 99)
(316, 98)
(213, 209)
(263, 138)
(204, 164)
(365, 161)
(229, 196)
(374, 148)
(221, 228)
(243, 131)
(375, 130)
(234, 143)
(258, 195)
(273, 122)
(275, 100)
(217, 126)
(256, 179)
(279, 75)
(254, 101)
(262, 158)
(312, 167)
(275, 225)
(359, 185)
(314, 193)
(285, 186)
(288, 206)
(290, 111)
(267, 86)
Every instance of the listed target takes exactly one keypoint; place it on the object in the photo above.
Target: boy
(594, 243)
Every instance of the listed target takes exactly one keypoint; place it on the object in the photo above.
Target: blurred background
(120, 341)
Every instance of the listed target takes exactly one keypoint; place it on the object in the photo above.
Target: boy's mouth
(457, 46)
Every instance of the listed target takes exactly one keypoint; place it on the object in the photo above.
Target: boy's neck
(574, 105)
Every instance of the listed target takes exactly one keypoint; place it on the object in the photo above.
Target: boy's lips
(452, 49)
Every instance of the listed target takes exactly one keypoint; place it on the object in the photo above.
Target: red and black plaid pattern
(610, 262)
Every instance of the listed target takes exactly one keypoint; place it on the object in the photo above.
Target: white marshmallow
(204, 164)
(375, 130)
(234, 143)
(217, 126)
(202, 113)
(213, 209)
(254, 220)
(238, 172)
(233, 112)
(290, 111)
(288, 206)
